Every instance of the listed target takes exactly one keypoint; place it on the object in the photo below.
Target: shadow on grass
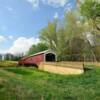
(86, 69)
(19, 71)
(1, 86)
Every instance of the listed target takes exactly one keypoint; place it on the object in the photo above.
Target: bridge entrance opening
(50, 57)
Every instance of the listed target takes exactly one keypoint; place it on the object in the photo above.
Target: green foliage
(49, 34)
(8, 64)
(37, 48)
(62, 38)
(91, 10)
(70, 37)
(17, 57)
(20, 71)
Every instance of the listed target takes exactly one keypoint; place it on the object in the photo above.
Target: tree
(91, 10)
(62, 37)
(70, 36)
(49, 34)
(37, 48)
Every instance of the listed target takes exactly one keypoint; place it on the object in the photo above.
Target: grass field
(20, 83)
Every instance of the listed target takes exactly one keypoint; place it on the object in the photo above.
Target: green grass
(21, 71)
(8, 63)
(20, 83)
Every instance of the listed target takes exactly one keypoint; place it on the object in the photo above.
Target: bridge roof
(43, 52)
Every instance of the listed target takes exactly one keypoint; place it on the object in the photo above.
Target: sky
(22, 20)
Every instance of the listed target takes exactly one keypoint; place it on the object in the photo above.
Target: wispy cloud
(5, 38)
(10, 37)
(55, 3)
(9, 8)
(2, 38)
(3, 51)
(34, 3)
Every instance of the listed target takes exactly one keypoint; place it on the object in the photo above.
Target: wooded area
(77, 36)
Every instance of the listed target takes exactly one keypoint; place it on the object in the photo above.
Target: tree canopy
(37, 48)
(64, 37)
(91, 10)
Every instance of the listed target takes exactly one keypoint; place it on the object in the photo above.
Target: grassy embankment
(20, 83)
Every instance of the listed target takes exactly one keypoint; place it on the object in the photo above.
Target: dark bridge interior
(50, 57)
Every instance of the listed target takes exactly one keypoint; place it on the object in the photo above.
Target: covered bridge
(36, 59)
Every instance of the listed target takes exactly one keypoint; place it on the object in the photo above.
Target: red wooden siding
(38, 58)
(33, 59)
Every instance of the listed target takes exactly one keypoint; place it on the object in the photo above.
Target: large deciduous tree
(64, 38)
(90, 10)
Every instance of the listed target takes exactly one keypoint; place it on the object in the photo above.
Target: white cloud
(22, 45)
(10, 37)
(34, 3)
(2, 38)
(56, 15)
(3, 51)
(5, 38)
(55, 3)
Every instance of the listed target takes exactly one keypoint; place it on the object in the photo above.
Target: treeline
(76, 37)
(11, 57)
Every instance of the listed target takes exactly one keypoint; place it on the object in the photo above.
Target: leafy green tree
(37, 48)
(49, 34)
(62, 36)
(91, 10)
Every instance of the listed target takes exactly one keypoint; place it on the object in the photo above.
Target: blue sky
(21, 21)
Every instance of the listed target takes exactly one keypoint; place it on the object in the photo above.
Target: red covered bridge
(36, 59)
